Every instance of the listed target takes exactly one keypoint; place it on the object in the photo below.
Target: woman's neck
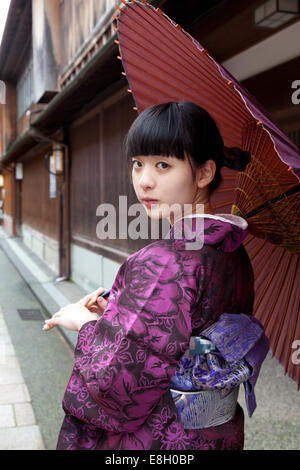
(205, 208)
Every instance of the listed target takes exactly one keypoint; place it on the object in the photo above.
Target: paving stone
(13, 393)
(10, 374)
(24, 414)
(21, 438)
(6, 416)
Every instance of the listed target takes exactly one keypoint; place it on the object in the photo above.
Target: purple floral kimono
(118, 396)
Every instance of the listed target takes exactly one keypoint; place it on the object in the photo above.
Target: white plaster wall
(8, 223)
(43, 246)
(88, 269)
(91, 270)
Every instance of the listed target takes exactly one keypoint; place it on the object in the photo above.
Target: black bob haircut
(184, 130)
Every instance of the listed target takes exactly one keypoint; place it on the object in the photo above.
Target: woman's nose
(146, 179)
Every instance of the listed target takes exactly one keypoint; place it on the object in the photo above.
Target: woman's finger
(101, 302)
(95, 299)
(99, 310)
(57, 314)
(88, 300)
(51, 323)
(48, 327)
(84, 300)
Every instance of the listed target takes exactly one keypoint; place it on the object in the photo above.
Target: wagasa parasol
(162, 63)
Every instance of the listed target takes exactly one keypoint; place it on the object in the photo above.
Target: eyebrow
(155, 156)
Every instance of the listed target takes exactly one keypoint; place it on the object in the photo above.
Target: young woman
(143, 377)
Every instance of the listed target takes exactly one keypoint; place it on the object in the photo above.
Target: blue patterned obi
(206, 384)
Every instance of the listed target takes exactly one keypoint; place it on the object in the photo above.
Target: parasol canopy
(162, 63)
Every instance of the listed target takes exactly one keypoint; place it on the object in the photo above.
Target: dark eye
(133, 162)
(164, 163)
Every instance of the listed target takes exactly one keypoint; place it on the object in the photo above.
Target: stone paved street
(18, 427)
(34, 369)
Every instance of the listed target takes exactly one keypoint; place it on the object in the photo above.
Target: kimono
(118, 396)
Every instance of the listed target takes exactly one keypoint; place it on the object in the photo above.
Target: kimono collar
(228, 231)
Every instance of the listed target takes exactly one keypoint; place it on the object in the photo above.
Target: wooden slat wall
(84, 195)
(38, 210)
(115, 179)
(99, 175)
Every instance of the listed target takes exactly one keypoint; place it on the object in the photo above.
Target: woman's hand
(72, 317)
(94, 302)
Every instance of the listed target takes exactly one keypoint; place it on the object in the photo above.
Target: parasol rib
(266, 204)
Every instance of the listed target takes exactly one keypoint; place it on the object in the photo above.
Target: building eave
(19, 146)
(16, 37)
(101, 76)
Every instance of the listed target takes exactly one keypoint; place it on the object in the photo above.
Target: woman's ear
(205, 174)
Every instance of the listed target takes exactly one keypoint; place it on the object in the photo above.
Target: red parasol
(162, 63)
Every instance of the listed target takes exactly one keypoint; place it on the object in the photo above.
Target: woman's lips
(150, 202)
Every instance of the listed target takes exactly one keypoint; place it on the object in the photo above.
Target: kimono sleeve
(124, 362)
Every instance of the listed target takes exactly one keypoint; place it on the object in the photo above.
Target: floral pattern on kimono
(118, 395)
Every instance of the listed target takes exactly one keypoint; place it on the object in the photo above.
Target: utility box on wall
(46, 48)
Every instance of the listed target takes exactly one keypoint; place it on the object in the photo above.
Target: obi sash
(226, 354)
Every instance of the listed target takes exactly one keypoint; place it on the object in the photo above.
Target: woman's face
(168, 181)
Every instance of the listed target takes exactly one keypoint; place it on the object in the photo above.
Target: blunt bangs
(156, 131)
